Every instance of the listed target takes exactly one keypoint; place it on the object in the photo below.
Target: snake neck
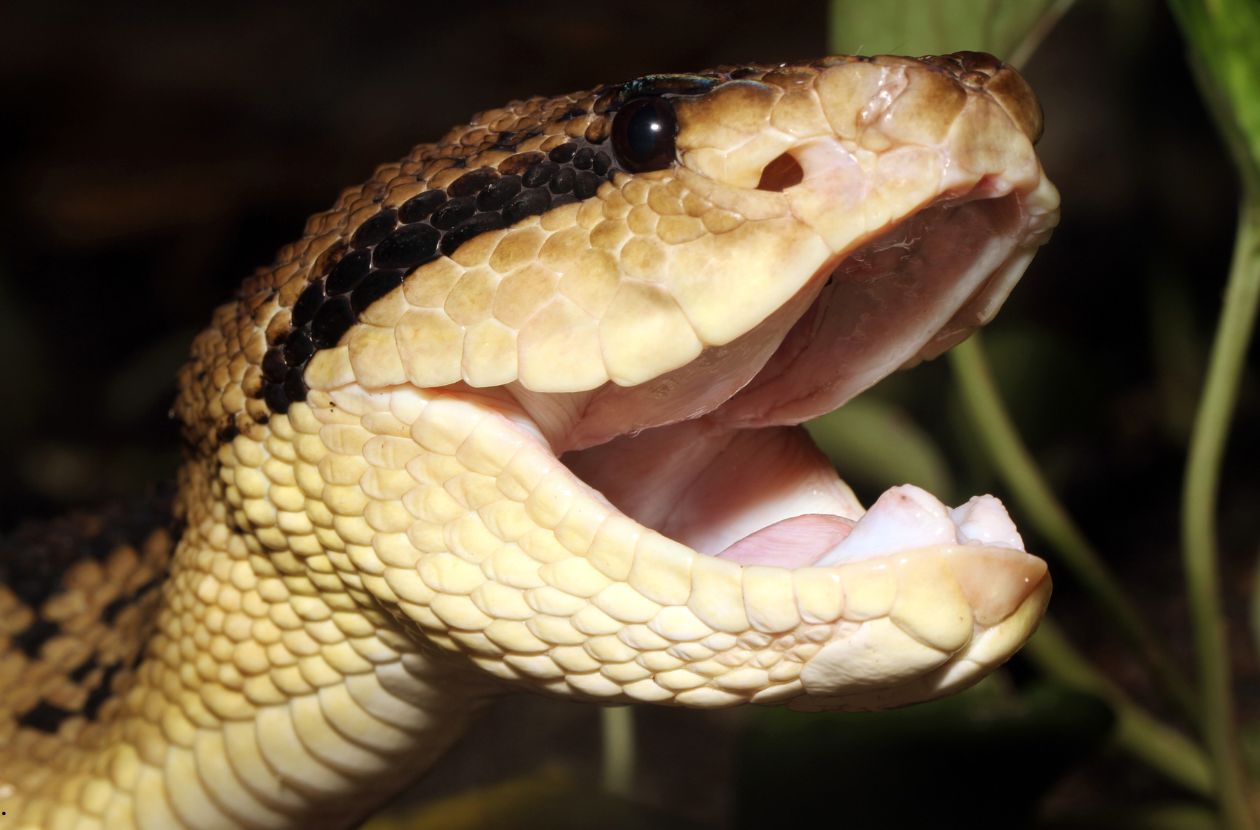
(267, 696)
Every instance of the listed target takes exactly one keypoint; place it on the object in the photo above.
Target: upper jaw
(911, 221)
(927, 242)
(902, 296)
(928, 196)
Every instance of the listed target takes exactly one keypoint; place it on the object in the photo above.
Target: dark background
(155, 155)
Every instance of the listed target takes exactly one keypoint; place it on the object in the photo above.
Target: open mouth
(676, 525)
(735, 478)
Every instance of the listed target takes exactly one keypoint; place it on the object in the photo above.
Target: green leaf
(1007, 28)
(1224, 35)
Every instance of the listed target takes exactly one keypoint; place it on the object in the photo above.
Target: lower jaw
(769, 497)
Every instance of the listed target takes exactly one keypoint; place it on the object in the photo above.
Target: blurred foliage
(1010, 28)
(1224, 40)
(549, 799)
(874, 441)
(984, 757)
(1225, 35)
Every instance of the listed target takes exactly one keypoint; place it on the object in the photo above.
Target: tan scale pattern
(470, 530)
(359, 574)
(88, 646)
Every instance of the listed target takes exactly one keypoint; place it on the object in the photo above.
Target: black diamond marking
(275, 398)
(307, 304)
(388, 246)
(472, 182)
(562, 182)
(115, 606)
(499, 194)
(298, 348)
(529, 203)
(477, 225)
(347, 273)
(102, 692)
(294, 385)
(585, 183)
(273, 363)
(539, 174)
(85, 668)
(35, 635)
(563, 153)
(45, 717)
(408, 247)
(418, 207)
(332, 320)
(35, 557)
(452, 213)
(375, 229)
(377, 285)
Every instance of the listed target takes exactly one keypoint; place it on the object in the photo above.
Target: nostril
(781, 174)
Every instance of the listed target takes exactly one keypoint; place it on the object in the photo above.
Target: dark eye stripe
(393, 243)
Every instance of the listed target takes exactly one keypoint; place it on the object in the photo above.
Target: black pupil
(643, 134)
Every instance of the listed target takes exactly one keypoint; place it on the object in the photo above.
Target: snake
(523, 412)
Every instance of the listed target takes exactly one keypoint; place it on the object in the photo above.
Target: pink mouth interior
(724, 472)
(760, 496)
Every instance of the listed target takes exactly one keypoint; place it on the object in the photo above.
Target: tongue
(790, 543)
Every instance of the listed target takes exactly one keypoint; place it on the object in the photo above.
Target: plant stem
(1207, 445)
(617, 729)
(1137, 732)
(1047, 516)
(1222, 36)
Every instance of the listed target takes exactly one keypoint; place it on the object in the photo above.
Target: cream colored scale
(360, 572)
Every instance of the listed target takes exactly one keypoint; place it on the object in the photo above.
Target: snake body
(516, 414)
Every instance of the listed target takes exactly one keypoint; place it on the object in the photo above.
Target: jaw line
(805, 373)
(1004, 589)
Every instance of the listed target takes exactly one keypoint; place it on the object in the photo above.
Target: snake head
(522, 412)
(534, 389)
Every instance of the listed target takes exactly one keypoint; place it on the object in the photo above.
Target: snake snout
(980, 70)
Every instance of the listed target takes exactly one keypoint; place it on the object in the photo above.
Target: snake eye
(643, 134)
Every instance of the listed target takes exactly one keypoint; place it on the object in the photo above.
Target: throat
(260, 700)
(757, 496)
